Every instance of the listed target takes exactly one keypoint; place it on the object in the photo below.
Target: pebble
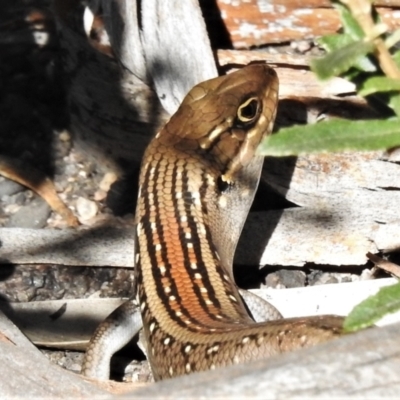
(71, 360)
(321, 278)
(99, 195)
(64, 136)
(108, 179)
(85, 208)
(32, 216)
(70, 170)
(26, 295)
(138, 371)
(272, 281)
(286, 278)
(9, 187)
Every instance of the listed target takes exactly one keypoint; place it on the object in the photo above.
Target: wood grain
(257, 22)
(364, 365)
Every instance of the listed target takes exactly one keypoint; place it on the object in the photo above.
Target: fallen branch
(386, 265)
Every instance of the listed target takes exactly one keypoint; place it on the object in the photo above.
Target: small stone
(331, 279)
(9, 187)
(366, 275)
(85, 208)
(38, 279)
(64, 136)
(25, 295)
(272, 280)
(108, 179)
(324, 278)
(394, 155)
(100, 195)
(71, 169)
(32, 216)
(287, 278)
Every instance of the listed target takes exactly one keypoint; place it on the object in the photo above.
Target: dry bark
(348, 207)
(61, 324)
(295, 77)
(117, 96)
(25, 372)
(364, 365)
(85, 247)
(69, 323)
(256, 23)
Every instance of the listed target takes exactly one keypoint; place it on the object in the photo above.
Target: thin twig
(361, 10)
(386, 265)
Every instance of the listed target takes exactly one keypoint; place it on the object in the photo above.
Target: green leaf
(365, 314)
(349, 22)
(335, 41)
(341, 60)
(333, 136)
(379, 84)
(394, 103)
(364, 64)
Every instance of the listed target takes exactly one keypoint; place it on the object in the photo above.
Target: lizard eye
(248, 111)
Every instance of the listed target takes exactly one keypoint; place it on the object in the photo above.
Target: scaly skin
(198, 180)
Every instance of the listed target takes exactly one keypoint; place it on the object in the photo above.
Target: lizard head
(226, 117)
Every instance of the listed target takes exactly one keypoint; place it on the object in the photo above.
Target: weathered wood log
(61, 324)
(84, 247)
(348, 207)
(364, 365)
(177, 48)
(104, 97)
(113, 111)
(256, 23)
(295, 77)
(69, 323)
(116, 103)
(27, 372)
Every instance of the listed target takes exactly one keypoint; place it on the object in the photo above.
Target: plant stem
(361, 10)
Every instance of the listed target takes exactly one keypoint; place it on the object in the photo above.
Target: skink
(197, 182)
